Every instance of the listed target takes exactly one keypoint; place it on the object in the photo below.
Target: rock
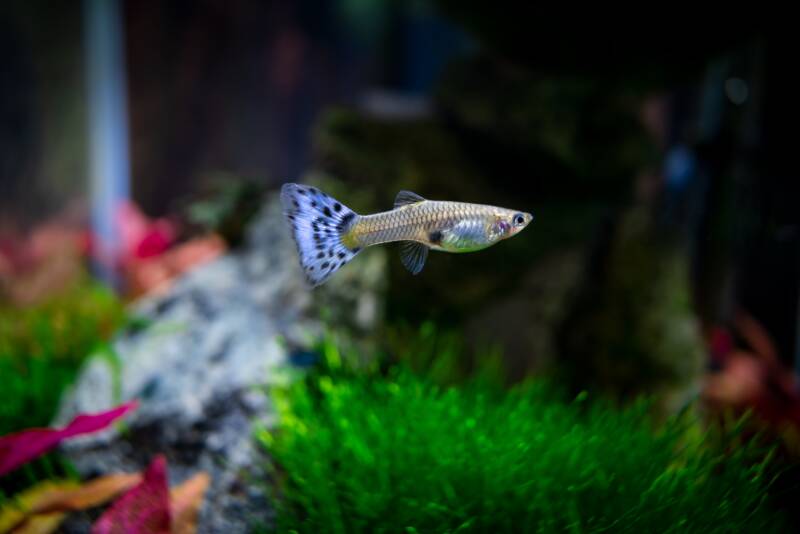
(633, 331)
(199, 368)
(544, 136)
(514, 295)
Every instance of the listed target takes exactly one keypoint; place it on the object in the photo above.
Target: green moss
(356, 452)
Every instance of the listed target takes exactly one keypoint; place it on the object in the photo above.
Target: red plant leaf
(48, 502)
(141, 236)
(156, 241)
(21, 447)
(145, 509)
(756, 336)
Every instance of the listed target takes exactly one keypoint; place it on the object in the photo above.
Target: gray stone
(200, 368)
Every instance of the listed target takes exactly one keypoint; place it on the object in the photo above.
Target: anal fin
(413, 256)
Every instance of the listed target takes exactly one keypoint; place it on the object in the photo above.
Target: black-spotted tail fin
(318, 223)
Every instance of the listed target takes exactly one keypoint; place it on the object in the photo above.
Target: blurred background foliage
(42, 348)
(43, 345)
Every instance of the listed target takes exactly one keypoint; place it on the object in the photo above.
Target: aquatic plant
(19, 449)
(152, 506)
(42, 346)
(365, 452)
(146, 505)
(22, 447)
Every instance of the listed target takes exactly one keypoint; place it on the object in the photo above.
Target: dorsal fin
(405, 198)
(413, 256)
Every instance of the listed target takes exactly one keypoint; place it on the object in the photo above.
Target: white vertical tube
(109, 164)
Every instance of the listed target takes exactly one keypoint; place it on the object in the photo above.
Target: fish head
(507, 223)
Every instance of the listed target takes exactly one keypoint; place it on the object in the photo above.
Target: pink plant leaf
(132, 226)
(141, 236)
(144, 509)
(21, 447)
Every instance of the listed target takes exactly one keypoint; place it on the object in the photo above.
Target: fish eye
(519, 219)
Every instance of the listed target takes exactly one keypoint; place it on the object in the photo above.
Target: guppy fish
(328, 234)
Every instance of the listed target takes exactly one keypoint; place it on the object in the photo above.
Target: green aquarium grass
(43, 346)
(396, 452)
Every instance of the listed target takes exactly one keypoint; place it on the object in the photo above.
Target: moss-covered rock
(635, 331)
(541, 302)
(566, 137)
(565, 149)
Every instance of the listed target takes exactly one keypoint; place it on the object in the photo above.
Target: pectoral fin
(413, 256)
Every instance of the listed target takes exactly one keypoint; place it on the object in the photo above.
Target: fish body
(328, 234)
(439, 225)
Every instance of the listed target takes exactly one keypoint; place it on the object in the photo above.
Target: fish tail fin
(319, 223)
